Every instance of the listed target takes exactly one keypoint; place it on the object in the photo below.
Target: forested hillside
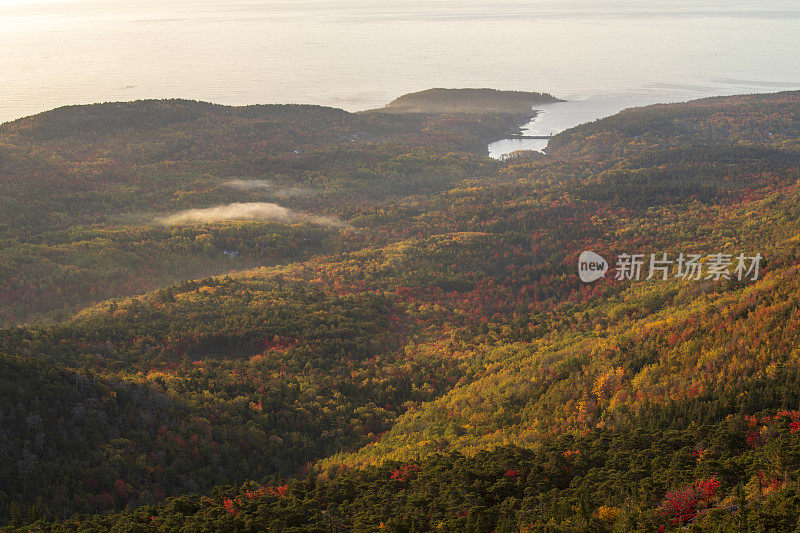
(86, 190)
(468, 101)
(398, 338)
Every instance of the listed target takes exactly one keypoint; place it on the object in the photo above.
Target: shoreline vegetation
(472, 101)
(440, 100)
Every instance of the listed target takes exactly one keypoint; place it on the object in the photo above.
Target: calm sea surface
(601, 55)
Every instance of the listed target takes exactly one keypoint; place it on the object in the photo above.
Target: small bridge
(530, 136)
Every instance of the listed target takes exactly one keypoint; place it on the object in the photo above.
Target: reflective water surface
(360, 54)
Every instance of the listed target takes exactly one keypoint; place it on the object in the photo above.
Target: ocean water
(598, 54)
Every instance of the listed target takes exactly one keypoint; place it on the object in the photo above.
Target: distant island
(469, 101)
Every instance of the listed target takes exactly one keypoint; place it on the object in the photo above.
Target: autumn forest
(297, 318)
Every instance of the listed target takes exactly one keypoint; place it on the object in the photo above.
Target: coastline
(517, 141)
(554, 118)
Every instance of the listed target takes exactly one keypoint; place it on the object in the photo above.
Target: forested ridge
(410, 347)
